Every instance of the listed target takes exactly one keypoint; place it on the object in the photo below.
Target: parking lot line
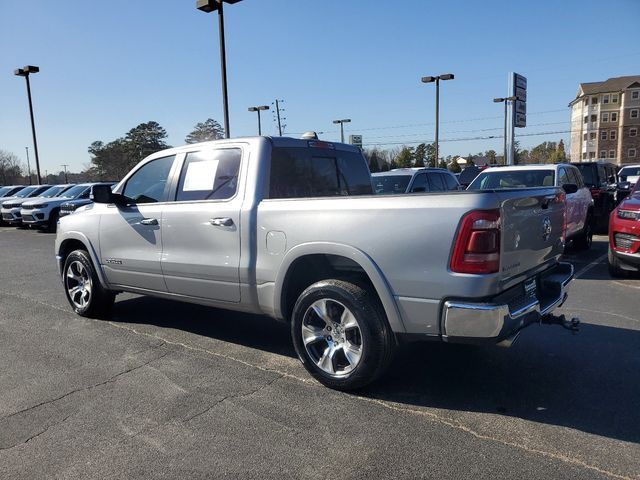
(586, 268)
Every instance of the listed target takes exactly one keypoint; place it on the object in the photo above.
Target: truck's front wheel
(341, 334)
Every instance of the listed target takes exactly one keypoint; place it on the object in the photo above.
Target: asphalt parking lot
(170, 390)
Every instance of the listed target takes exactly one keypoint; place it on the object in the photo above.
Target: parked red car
(624, 235)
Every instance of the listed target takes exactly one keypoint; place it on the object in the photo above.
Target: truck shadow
(588, 382)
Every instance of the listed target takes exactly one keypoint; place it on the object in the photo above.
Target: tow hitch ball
(572, 325)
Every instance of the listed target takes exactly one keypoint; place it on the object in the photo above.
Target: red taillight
(477, 245)
(595, 193)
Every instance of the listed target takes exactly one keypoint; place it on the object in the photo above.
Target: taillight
(477, 245)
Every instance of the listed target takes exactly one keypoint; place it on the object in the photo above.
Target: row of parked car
(40, 206)
(596, 198)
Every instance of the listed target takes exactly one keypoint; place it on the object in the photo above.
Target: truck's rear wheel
(82, 287)
(341, 334)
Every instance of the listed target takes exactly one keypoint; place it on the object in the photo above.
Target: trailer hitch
(572, 325)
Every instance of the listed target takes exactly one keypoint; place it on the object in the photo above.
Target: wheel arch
(322, 257)
(78, 241)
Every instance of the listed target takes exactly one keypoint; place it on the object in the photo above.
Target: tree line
(113, 159)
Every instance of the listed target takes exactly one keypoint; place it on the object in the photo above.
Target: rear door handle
(149, 221)
(221, 222)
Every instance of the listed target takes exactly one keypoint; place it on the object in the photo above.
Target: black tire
(585, 239)
(376, 340)
(615, 270)
(52, 225)
(100, 300)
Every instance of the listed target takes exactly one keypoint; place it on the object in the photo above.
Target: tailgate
(532, 223)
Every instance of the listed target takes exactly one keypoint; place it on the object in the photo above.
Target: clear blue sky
(108, 66)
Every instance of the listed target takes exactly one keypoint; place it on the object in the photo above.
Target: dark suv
(601, 178)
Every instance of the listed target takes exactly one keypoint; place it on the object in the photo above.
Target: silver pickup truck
(291, 229)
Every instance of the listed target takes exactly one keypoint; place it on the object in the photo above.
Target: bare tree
(10, 168)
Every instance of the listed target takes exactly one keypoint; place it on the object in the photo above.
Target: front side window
(420, 183)
(148, 183)
(209, 175)
(563, 178)
(436, 183)
(452, 183)
(300, 172)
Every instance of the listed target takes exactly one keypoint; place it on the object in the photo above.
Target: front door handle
(221, 222)
(149, 221)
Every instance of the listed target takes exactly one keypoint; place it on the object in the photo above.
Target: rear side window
(147, 184)
(209, 175)
(315, 172)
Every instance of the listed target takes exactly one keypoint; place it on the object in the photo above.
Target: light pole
(25, 72)
(28, 164)
(64, 165)
(446, 76)
(342, 122)
(504, 100)
(259, 109)
(209, 6)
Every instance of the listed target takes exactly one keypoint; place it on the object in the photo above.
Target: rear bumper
(500, 318)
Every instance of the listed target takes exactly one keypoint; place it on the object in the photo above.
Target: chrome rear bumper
(500, 318)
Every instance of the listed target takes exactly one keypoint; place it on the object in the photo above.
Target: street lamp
(259, 109)
(342, 122)
(446, 76)
(209, 6)
(25, 72)
(504, 100)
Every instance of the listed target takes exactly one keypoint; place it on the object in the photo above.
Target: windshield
(513, 179)
(389, 184)
(74, 192)
(25, 192)
(629, 172)
(54, 191)
(4, 190)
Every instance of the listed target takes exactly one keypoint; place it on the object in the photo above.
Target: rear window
(317, 172)
(513, 179)
(390, 184)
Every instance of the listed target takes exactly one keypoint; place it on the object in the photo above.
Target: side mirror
(102, 194)
(570, 188)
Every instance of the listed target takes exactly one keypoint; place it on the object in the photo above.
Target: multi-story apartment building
(605, 121)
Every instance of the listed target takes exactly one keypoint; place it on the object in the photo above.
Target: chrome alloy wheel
(332, 337)
(78, 284)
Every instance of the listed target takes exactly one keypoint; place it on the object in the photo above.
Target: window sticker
(200, 176)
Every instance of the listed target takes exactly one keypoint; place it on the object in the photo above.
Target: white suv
(578, 197)
(44, 211)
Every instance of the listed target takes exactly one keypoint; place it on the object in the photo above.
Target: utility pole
(64, 165)
(278, 113)
(28, 164)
